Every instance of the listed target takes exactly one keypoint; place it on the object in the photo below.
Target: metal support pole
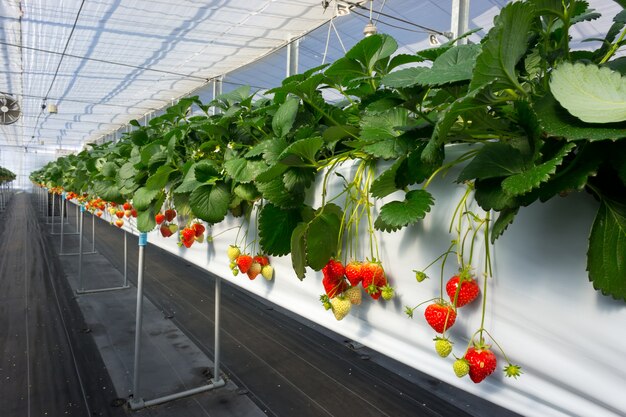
(143, 240)
(52, 225)
(62, 222)
(293, 49)
(459, 19)
(93, 233)
(80, 249)
(68, 219)
(218, 296)
(125, 258)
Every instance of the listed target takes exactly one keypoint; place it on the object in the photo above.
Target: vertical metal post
(68, 219)
(293, 49)
(143, 240)
(93, 232)
(80, 248)
(62, 216)
(218, 296)
(125, 258)
(53, 200)
(459, 19)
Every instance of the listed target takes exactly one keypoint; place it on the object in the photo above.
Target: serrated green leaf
(298, 179)
(406, 77)
(404, 213)
(210, 202)
(322, 235)
(606, 257)
(189, 182)
(385, 183)
(205, 171)
(143, 198)
(591, 93)
(298, 249)
(275, 229)
(301, 152)
(505, 218)
(379, 224)
(524, 182)
(490, 196)
(110, 169)
(107, 190)
(285, 116)
(276, 192)
(380, 126)
(556, 121)
(246, 192)
(506, 44)
(243, 170)
(452, 66)
(335, 133)
(371, 49)
(493, 160)
(160, 178)
(388, 148)
(148, 151)
(181, 202)
(127, 171)
(145, 220)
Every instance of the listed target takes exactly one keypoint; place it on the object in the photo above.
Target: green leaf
(285, 116)
(108, 190)
(335, 133)
(388, 148)
(398, 214)
(189, 182)
(181, 202)
(210, 202)
(276, 192)
(159, 179)
(275, 229)
(606, 262)
(205, 171)
(505, 218)
(301, 152)
(242, 170)
(385, 184)
(298, 179)
(110, 169)
(246, 192)
(298, 249)
(452, 66)
(127, 171)
(379, 126)
(145, 220)
(591, 93)
(322, 235)
(370, 50)
(143, 198)
(493, 160)
(148, 151)
(506, 44)
(556, 121)
(490, 196)
(524, 182)
(406, 77)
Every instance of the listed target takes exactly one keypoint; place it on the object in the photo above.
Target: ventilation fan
(9, 110)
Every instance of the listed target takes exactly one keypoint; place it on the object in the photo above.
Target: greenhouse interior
(312, 208)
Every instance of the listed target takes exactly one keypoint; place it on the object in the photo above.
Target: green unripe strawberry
(387, 292)
(268, 272)
(443, 346)
(233, 252)
(461, 367)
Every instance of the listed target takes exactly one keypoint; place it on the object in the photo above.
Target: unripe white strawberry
(233, 252)
(341, 307)
(354, 295)
(268, 272)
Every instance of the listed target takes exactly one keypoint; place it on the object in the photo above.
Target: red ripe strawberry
(244, 262)
(438, 315)
(119, 222)
(119, 214)
(198, 229)
(254, 270)
(159, 218)
(334, 270)
(127, 206)
(468, 292)
(99, 213)
(187, 243)
(165, 231)
(374, 278)
(262, 260)
(170, 214)
(482, 362)
(334, 287)
(133, 212)
(188, 235)
(353, 273)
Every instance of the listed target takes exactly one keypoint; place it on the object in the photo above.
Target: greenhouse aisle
(42, 370)
(287, 365)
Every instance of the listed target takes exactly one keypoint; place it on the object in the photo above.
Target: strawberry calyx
(513, 371)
